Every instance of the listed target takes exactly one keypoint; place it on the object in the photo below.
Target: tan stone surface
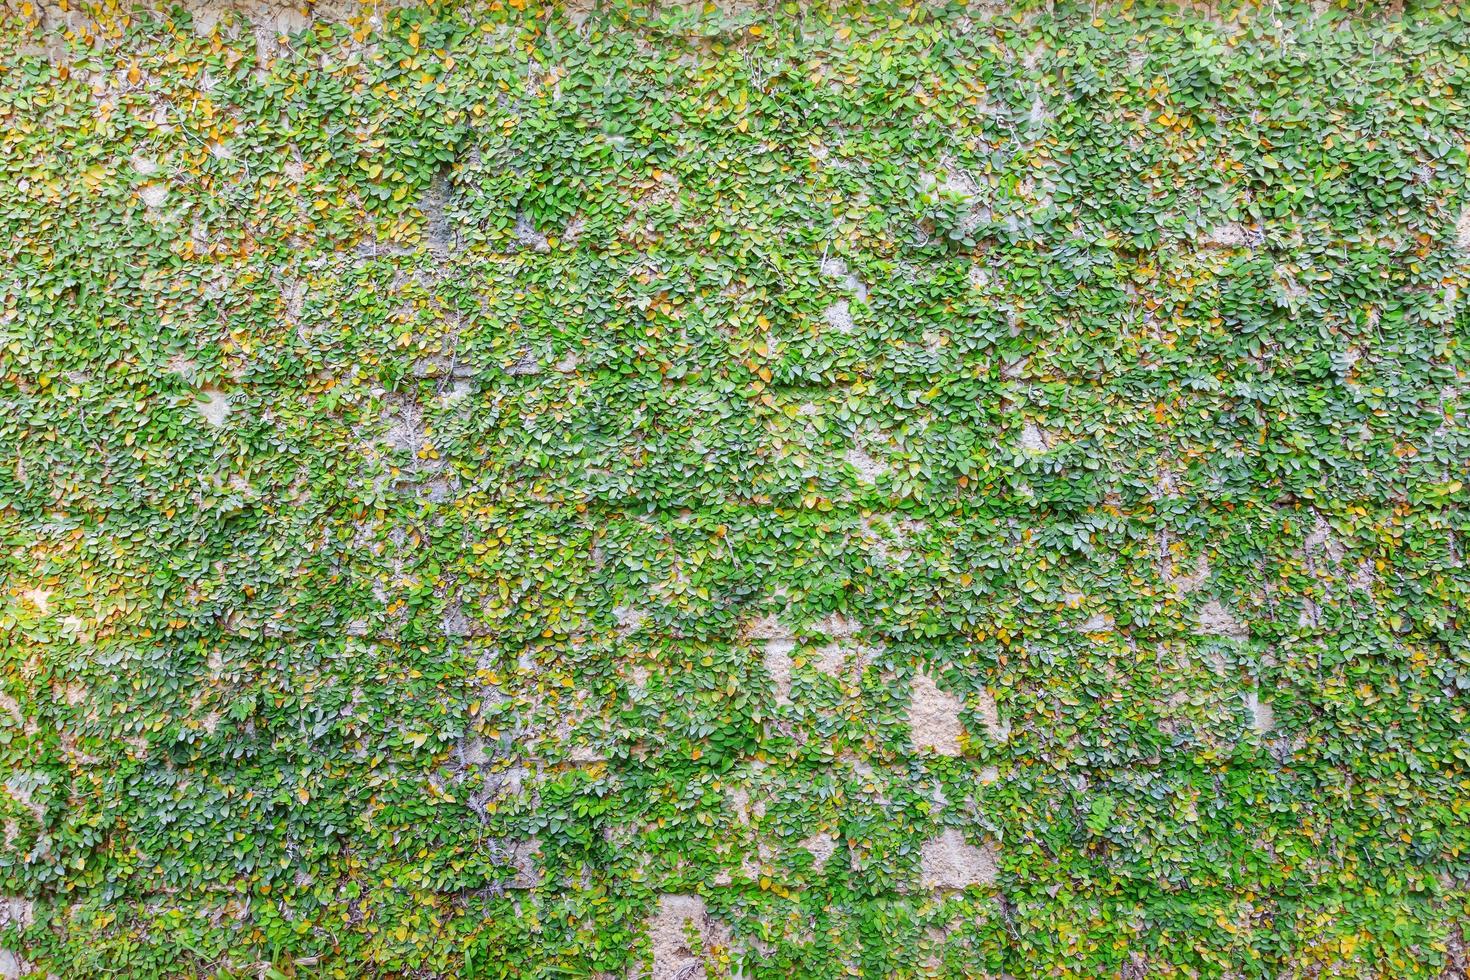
(1185, 581)
(839, 317)
(19, 912)
(1262, 715)
(777, 659)
(990, 716)
(1214, 619)
(214, 405)
(951, 862)
(767, 628)
(1228, 235)
(934, 718)
(672, 957)
(821, 847)
(868, 469)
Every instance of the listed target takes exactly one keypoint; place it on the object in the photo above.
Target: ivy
(472, 470)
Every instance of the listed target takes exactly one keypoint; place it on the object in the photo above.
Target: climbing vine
(937, 491)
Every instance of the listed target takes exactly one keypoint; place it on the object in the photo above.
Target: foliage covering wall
(475, 476)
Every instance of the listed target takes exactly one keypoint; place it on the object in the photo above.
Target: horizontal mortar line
(1153, 511)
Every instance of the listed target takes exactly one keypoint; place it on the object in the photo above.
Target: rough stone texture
(1098, 622)
(821, 847)
(1462, 230)
(12, 966)
(1039, 113)
(839, 317)
(955, 182)
(934, 718)
(153, 195)
(839, 626)
(40, 598)
(18, 912)
(1185, 582)
(22, 785)
(672, 957)
(1213, 619)
(1033, 438)
(950, 862)
(214, 405)
(741, 808)
(989, 713)
(1228, 235)
(868, 469)
(582, 753)
(834, 659)
(778, 665)
(767, 628)
(269, 21)
(835, 268)
(1262, 716)
(521, 857)
(434, 203)
(629, 619)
